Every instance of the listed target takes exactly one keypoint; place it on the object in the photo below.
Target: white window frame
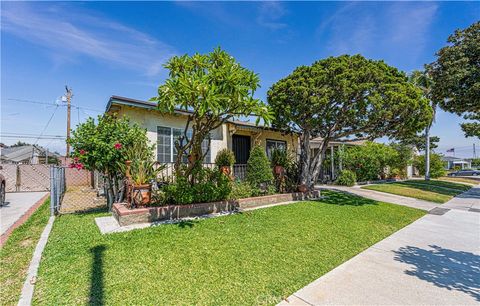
(172, 145)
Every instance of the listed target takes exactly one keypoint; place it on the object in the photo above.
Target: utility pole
(69, 95)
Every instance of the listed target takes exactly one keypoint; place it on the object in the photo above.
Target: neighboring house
(238, 136)
(456, 162)
(27, 154)
(20, 155)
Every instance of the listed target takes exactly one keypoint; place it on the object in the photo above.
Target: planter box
(127, 216)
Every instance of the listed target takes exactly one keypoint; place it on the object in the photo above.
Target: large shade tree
(346, 97)
(456, 76)
(211, 88)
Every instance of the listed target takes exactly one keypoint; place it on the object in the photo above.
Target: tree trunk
(318, 163)
(427, 153)
(305, 158)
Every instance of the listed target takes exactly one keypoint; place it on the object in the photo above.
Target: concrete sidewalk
(16, 205)
(433, 261)
(383, 197)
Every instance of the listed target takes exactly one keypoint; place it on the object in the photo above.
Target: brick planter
(127, 216)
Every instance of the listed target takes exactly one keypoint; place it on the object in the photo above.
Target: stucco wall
(221, 137)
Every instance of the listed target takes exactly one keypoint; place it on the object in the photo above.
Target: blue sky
(118, 48)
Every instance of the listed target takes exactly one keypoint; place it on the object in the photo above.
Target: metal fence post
(52, 191)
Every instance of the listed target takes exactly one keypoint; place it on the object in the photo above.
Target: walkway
(16, 205)
(433, 261)
(384, 197)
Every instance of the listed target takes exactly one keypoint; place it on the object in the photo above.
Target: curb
(29, 284)
(22, 219)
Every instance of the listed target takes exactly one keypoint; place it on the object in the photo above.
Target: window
(275, 144)
(166, 151)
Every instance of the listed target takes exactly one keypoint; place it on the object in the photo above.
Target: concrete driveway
(433, 261)
(16, 205)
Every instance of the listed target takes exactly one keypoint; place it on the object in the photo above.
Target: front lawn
(467, 180)
(17, 252)
(434, 190)
(256, 257)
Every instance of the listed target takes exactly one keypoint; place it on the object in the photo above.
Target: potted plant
(279, 160)
(140, 170)
(225, 160)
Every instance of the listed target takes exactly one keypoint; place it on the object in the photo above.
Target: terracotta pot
(142, 194)
(225, 170)
(302, 188)
(278, 170)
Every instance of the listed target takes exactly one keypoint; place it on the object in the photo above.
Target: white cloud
(67, 34)
(270, 14)
(395, 29)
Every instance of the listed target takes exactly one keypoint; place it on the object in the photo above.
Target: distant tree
(437, 165)
(418, 141)
(476, 162)
(213, 88)
(346, 97)
(422, 80)
(456, 76)
(20, 144)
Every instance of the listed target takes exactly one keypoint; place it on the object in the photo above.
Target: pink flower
(79, 166)
(118, 146)
(75, 160)
(72, 165)
(82, 152)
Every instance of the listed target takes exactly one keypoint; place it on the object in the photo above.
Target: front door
(241, 148)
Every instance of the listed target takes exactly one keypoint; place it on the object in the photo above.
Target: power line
(54, 104)
(46, 126)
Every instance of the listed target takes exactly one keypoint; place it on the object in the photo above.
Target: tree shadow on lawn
(432, 188)
(97, 280)
(344, 198)
(445, 268)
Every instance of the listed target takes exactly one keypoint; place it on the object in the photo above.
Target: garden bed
(126, 216)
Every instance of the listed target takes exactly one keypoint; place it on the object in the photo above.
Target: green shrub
(279, 158)
(369, 160)
(241, 190)
(211, 186)
(225, 158)
(258, 168)
(346, 178)
(437, 166)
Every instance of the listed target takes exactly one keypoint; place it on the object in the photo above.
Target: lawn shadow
(97, 280)
(186, 223)
(473, 193)
(341, 197)
(445, 268)
(432, 188)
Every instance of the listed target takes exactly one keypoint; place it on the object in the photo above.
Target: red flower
(79, 166)
(82, 152)
(118, 146)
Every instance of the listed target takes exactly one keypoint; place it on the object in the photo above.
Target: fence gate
(57, 188)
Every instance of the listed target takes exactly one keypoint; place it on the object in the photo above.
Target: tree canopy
(456, 72)
(346, 97)
(212, 88)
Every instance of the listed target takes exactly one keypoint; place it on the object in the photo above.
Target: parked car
(465, 172)
(2, 188)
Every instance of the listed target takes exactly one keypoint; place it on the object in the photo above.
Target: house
(238, 136)
(452, 162)
(27, 154)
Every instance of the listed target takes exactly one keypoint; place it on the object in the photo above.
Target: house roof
(17, 154)
(452, 158)
(119, 100)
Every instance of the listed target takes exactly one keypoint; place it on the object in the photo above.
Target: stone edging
(126, 216)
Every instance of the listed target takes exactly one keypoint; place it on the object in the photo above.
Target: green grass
(17, 252)
(256, 257)
(434, 190)
(466, 180)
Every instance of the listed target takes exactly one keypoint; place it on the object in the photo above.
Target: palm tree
(423, 80)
